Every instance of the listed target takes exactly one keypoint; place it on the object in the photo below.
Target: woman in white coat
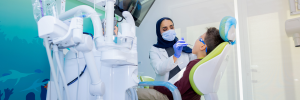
(169, 56)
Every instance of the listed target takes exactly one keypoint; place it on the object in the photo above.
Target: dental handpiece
(190, 45)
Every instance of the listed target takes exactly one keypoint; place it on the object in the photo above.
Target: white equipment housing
(292, 29)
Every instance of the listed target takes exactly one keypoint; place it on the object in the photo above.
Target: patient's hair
(212, 39)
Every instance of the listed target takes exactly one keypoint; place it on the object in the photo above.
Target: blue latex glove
(178, 46)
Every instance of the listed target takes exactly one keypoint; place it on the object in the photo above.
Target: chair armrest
(175, 92)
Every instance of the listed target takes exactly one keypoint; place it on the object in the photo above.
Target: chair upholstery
(146, 79)
(205, 76)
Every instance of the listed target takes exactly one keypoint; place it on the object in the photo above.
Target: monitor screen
(137, 8)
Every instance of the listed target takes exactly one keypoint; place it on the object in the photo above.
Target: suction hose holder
(74, 31)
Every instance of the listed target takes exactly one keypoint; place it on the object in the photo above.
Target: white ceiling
(195, 12)
(258, 7)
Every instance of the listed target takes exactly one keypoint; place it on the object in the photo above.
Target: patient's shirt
(183, 85)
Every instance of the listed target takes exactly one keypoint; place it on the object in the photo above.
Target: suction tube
(55, 49)
(46, 43)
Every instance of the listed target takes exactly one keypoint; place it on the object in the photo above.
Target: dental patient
(202, 47)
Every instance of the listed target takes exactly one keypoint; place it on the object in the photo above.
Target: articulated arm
(97, 87)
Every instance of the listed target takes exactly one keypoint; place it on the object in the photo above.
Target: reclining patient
(202, 47)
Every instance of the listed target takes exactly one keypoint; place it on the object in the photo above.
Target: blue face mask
(169, 35)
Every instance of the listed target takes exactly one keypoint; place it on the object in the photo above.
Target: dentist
(169, 56)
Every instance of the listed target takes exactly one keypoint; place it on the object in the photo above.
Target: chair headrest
(227, 29)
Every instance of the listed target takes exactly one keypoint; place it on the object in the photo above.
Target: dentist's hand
(178, 46)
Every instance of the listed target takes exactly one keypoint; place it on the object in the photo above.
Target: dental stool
(205, 76)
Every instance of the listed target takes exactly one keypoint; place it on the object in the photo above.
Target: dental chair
(206, 75)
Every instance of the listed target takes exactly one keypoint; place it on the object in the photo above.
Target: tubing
(136, 96)
(58, 76)
(77, 56)
(133, 93)
(61, 59)
(55, 49)
(52, 67)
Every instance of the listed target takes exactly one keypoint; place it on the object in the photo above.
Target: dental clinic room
(150, 50)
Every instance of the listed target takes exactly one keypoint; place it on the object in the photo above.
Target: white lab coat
(163, 64)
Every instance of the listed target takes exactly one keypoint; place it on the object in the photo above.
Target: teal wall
(22, 54)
